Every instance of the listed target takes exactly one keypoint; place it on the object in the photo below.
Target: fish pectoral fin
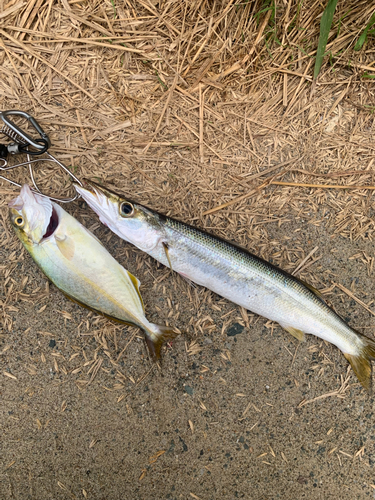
(166, 250)
(66, 246)
(298, 334)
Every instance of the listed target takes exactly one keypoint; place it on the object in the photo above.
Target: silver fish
(233, 273)
(79, 265)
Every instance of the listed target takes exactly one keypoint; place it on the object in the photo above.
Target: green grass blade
(325, 26)
(362, 38)
(114, 9)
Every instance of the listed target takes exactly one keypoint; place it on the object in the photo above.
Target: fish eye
(18, 221)
(126, 209)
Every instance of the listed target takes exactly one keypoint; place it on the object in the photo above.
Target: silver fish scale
(206, 246)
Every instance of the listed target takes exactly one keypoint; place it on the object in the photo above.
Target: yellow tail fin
(156, 339)
(361, 364)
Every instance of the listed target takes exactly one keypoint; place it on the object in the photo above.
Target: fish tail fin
(156, 336)
(361, 363)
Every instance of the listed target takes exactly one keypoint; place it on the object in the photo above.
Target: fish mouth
(101, 199)
(94, 188)
(52, 226)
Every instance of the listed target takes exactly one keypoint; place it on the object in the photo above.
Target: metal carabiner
(22, 143)
(22, 138)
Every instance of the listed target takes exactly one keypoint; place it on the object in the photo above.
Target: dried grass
(202, 110)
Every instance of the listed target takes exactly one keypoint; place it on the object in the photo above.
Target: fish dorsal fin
(66, 246)
(136, 284)
(312, 289)
(298, 334)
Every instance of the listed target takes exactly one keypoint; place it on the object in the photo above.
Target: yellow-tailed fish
(233, 273)
(79, 265)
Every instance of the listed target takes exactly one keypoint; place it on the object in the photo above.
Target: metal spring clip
(24, 143)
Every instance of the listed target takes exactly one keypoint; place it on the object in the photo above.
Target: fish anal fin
(298, 334)
(166, 250)
(136, 284)
(66, 246)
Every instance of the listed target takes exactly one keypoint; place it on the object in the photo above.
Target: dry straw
(204, 111)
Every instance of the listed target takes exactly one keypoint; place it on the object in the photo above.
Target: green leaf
(114, 9)
(325, 26)
(361, 40)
